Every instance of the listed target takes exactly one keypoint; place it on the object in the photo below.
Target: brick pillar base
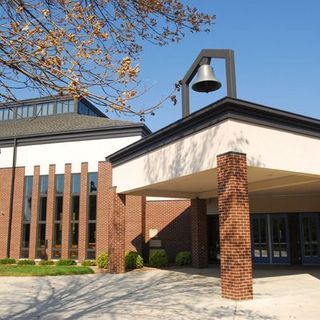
(199, 233)
(116, 234)
(234, 222)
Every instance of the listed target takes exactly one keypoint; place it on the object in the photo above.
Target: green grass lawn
(22, 271)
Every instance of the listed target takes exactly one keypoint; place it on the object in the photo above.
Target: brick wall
(17, 214)
(172, 219)
(234, 222)
(103, 205)
(50, 209)
(135, 223)
(83, 214)
(5, 187)
(66, 212)
(34, 212)
(116, 233)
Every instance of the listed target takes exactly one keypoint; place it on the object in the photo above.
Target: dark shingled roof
(61, 123)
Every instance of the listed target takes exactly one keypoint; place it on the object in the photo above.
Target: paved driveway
(160, 294)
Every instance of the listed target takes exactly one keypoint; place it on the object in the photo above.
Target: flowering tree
(76, 47)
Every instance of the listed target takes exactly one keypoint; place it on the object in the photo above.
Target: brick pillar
(199, 239)
(5, 187)
(17, 214)
(34, 212)
(116, 233)
(50, 209)
(234, 222)
(103, 206)
(83, 214)
(66, 212)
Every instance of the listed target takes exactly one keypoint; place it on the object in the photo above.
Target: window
(65, 106)
(26, 217)
(24, 112)
(57, 232)
(44, 109)
(42, 216)
(84, 109)
(92, 215)
(74, 219)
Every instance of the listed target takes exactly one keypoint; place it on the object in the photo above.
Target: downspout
(14, 162)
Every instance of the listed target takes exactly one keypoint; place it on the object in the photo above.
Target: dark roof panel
(58, 124)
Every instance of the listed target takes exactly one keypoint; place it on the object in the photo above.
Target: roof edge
(223, 109)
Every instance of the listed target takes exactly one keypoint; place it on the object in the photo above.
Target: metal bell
(206, 80)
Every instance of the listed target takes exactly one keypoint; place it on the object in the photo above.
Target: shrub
(133, 260)
(158, 258)
(183, 258)
(66, 262)
(102, 260)
(46, 263)
(89, 263)
(26, 262)
(7, 261)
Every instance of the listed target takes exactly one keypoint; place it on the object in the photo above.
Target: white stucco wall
(90, 151)
(265, 147)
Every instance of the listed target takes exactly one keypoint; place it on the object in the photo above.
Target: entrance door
(310, 238)
(260, 239)
(270, 238)
(279, 238)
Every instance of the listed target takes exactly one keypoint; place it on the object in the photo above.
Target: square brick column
(17, 214)
(234, 222)
(50, 209)
(66, 212)
(34, 212)
(103, 205)
(83, 214)
(199, 241)
(116, 234)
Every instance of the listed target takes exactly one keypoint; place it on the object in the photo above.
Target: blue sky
(277, 52)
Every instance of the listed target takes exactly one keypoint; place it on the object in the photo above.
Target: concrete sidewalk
(160, 294)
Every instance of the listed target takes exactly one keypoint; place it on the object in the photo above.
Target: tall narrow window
(92, 216)
(74, 219)
(42, 216)
(57, 229)
(26, 217)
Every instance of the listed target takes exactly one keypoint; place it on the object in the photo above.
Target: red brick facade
(172, 219)
(234, 221)
(83, 214)
(66, 212)
(5, 186)
(103, 205)
(17, 214)
(116, 233)
(50, 210)
(34, 212)
(199, 233)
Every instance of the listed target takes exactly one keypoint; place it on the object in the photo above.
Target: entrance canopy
(180, 160)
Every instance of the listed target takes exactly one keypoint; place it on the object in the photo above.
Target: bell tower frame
(204, 57)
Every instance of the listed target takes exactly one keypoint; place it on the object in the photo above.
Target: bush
(183, 258)
(46, 263)
(7, 261)
(133, 260)
(102, 261)
(26, 262)
(66, 262)
(89, 263)
(158, 258)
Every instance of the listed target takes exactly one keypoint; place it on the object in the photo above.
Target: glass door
(260, 238)
(310, 238)
(279, 238)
